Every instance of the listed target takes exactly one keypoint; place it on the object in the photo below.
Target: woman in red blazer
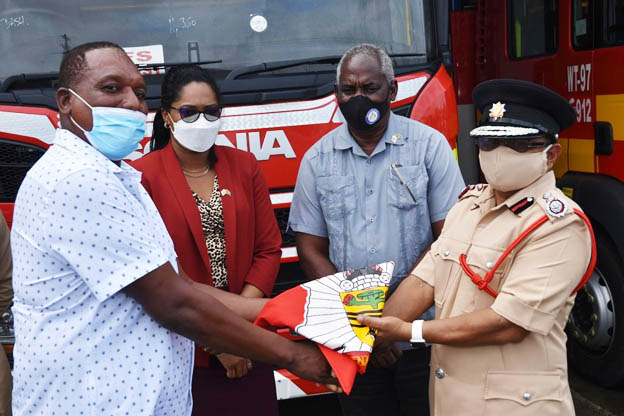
(215, 203)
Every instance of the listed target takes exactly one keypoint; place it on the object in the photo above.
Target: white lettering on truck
(274, 143)
(579, 81)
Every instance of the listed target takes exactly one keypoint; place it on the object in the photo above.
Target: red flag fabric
(325, 311)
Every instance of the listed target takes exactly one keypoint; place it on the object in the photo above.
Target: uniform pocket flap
(449, 249)
(485, 257)
(524, 387)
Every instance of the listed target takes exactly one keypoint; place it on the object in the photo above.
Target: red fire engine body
(276, 65)
(277, 109)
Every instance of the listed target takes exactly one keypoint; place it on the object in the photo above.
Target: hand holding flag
(326, 311)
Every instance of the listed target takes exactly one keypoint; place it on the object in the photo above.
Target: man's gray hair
(368, 49)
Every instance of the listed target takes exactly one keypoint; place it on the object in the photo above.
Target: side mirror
(603, 133)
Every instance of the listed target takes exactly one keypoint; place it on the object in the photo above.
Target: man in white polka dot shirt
(99, 306)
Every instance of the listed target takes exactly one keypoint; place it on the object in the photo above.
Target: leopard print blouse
(211, 214)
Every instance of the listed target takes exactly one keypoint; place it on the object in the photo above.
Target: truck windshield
(239, 33)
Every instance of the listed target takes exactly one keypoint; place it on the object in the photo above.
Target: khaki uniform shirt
(534, 285)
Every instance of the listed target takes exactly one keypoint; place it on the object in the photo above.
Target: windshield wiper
(52, 76)
(404, 55)
(24, 78)
(156, 66)
(272, 66)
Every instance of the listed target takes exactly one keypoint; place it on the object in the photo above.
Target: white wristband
(417, 335)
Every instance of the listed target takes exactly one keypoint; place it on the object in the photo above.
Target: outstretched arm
(247, 307)
(181, 307)
(475, 328)
(410, 300)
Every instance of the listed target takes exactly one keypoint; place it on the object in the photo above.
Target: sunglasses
(519, 145)
(191, 114)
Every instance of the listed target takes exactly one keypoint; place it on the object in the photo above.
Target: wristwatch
(417, 339)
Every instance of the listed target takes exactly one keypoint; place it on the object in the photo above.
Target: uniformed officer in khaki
(504, 271)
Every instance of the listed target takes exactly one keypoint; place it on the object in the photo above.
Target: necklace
(195, 174)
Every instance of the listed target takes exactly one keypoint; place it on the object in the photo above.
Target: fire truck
(574, 47)
(275, 63)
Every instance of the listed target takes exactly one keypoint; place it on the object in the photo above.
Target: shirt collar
(533, 191)
(392, 134)
(81, 148)
(486, 201)
(344, 140)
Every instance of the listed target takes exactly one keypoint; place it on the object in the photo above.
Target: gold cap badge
(497, 110)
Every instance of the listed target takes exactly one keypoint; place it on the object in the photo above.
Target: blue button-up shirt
(361, 204)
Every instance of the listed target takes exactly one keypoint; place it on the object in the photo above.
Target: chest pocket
(336, 196)
(455, 293)
(416, 179)
(511, 393)
(482, 260)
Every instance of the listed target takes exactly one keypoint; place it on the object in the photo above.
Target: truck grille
(15, 160)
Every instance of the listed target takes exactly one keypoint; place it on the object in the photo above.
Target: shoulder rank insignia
(555, 207)
(521, 205)
(478, 187)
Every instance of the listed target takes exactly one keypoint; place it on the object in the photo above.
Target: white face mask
(507, 170)
(198, 136)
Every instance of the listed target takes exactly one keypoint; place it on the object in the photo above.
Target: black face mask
(362, 114)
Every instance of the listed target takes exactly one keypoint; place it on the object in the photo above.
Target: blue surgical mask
(116, 132)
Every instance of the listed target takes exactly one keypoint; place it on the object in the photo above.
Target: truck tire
(596, 324)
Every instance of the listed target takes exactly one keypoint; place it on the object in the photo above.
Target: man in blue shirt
(375, 189)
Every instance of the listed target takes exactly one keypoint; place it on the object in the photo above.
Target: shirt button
(368, 161)
(439, 373)
(446, 253)
(370, 192)
(489, 265)
(371, 219)
(372, 251)
(527, 396)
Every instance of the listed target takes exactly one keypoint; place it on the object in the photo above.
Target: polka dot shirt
(84, 229)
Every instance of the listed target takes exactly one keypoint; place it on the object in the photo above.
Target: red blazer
(252, 238)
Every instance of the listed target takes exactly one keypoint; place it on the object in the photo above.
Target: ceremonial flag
(325, 311)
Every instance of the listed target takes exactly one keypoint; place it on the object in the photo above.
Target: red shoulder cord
(483, 282)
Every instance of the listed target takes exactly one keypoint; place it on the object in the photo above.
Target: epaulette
(472, 190)
(556, 206)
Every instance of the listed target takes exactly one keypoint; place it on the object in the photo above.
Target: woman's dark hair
(177, 78)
